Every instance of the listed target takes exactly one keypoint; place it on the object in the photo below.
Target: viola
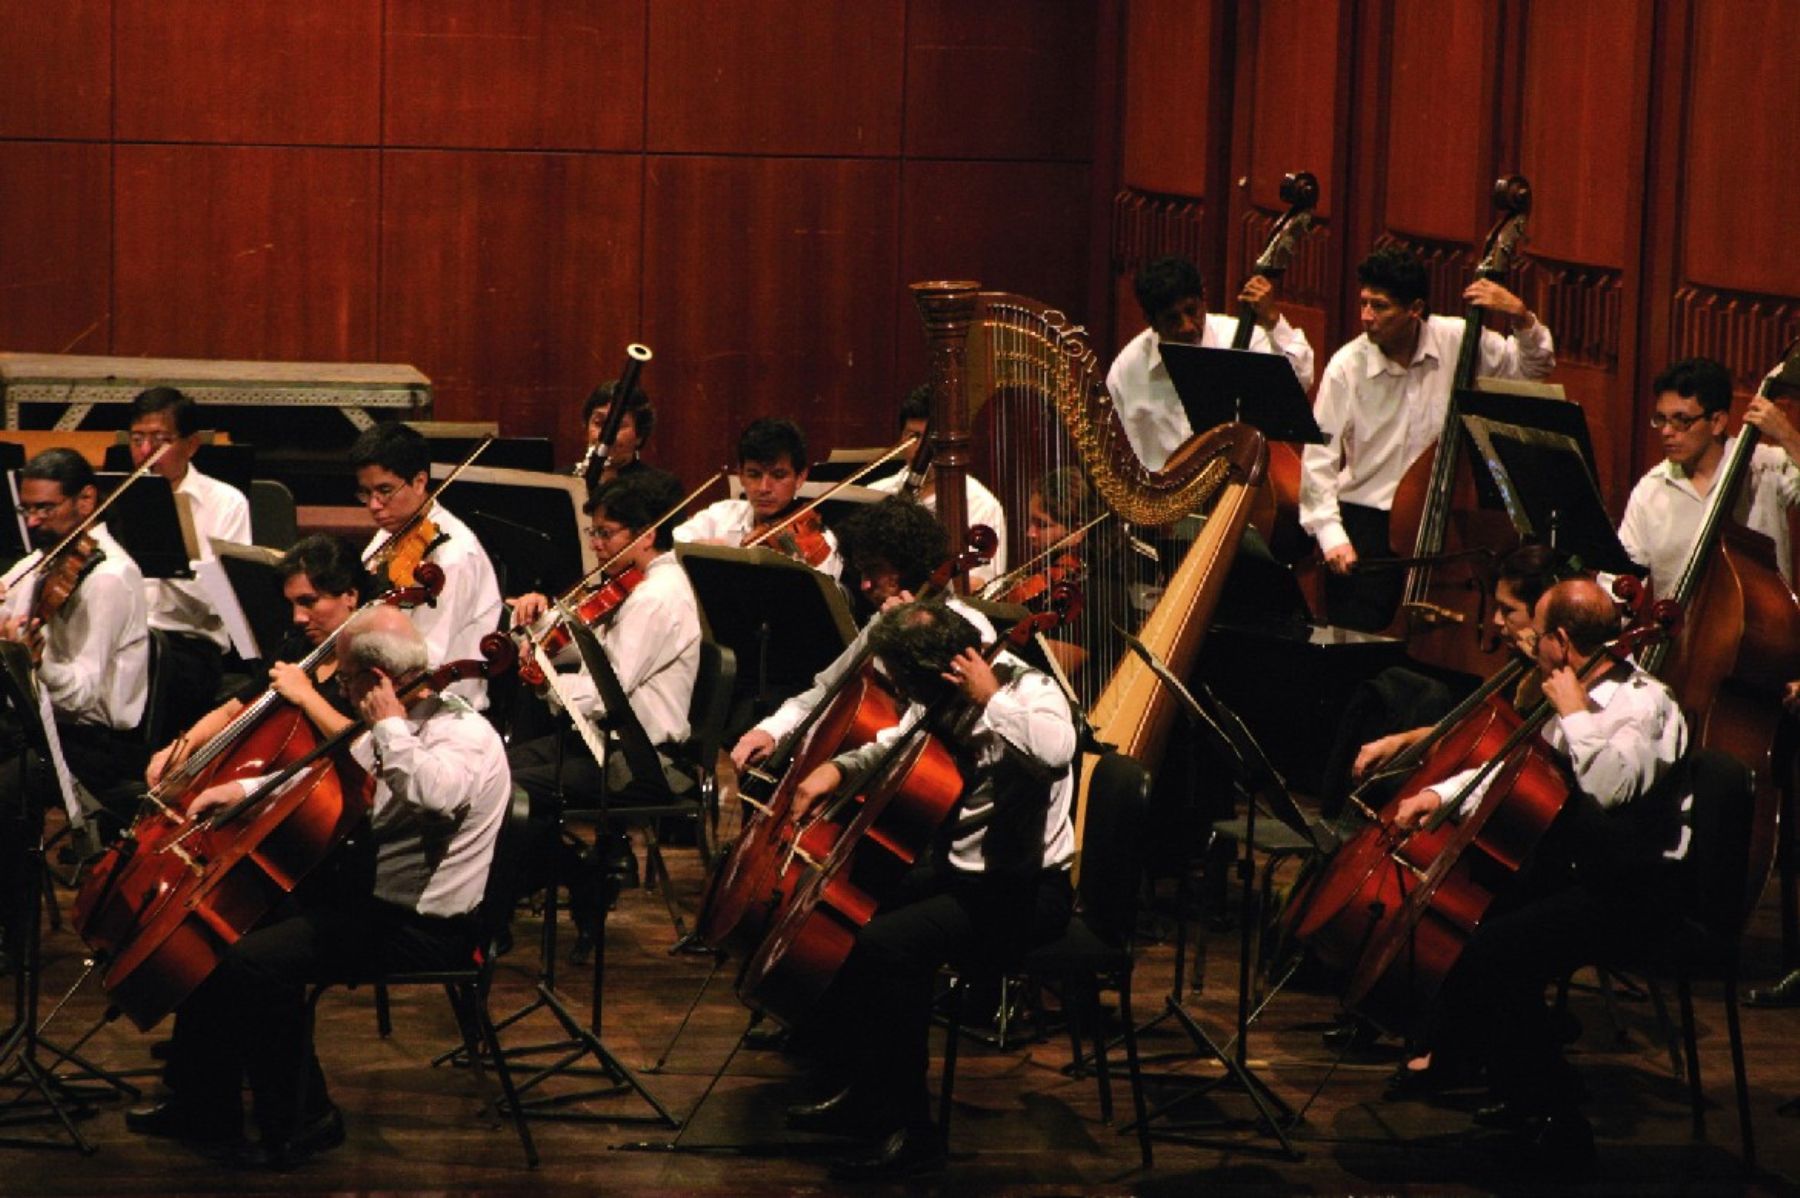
(597, 605)
(61, 577)
(1030, 590)
(409, 550)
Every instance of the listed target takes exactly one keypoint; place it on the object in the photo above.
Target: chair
(157, 726)
(1730, 862)
(1095, 952)
(467, 987)
(273, 523)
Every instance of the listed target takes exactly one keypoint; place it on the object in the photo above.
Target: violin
(60, 579)
(599, 604)
(414, 540)
(1028, 591)
(802, 537)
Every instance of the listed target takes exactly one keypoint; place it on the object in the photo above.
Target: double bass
(1434, 525)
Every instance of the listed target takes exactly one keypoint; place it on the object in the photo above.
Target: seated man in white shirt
(772, 465)
(1667, 506)
(1173, 298)
(441, 795)
(1381, 405)
(197, 641)
(983, 506)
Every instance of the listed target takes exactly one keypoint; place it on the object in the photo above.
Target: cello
(1433, 521)
(224, 873)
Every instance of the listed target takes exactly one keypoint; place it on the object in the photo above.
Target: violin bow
(861, 472)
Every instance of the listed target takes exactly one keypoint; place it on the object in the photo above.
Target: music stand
(1218, 386)
(230, 462)
(769, 609)
(1528, 405)
(154, 527)
(263, 616)
(1543, 480)
(530, 523)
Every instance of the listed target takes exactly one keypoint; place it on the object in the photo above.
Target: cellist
(772, 465)
(995, 884)
(1621, 734)
(1381, 405)
(441, 792)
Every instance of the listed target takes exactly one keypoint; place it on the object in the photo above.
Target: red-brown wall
(506, 192)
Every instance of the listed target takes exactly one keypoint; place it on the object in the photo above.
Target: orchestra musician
(393, 481)
(984, 506)
(892, 547)
(1381, 404)
(324, 583)
(1172, 295)
(652, 640)
(197, 642)
(995, 885)
(1620, 733)
(772, 465)
(1663, 516)
(626, 452)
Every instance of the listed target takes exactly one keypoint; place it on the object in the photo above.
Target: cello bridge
(1432, 614)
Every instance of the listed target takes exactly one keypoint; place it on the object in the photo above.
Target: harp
(1020, 398)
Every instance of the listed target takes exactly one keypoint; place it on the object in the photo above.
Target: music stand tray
(1542, 478)
(783, 615)
(1218, 386)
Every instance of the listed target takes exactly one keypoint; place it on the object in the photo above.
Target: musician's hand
(1416, 809)
(380, 702)
(17, 628)
(1566, 692)
(1486, 293)
(290, 681)
(815, 786)
(1791, 699)
(213, 798)
(527, 608)
(1341, 560)
(751, 747)
(1773, 423)
(971, 674)
(1376, 754)
(896, 599)
(1259, 295)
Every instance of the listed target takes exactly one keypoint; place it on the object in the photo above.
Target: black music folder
(1218, 386)
(1544, 480)
(1525, 405)
(254, 575)
(157, 531)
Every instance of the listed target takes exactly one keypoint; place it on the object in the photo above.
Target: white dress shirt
(653, 643)
(1022, 738)
(181, 605)
(730, 521)
(983, 508)
(1144, 395)
(1664, 514)
(1378, 416)
(790, 714)
(96, 662)
(467, 609)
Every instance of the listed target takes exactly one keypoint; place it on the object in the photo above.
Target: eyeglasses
(38, 509)
(607, 532)
(384, 492)
(1678, 421)
(153, 440)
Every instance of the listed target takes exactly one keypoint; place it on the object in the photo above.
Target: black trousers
(1395, 700)
(878, 1012)
(1364, 599)
(248, 1020)
(191, 671)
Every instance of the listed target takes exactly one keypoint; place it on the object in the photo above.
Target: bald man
(1610, 873)
(441, 792)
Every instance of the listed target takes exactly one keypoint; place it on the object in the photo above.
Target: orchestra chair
(468, 987)
(1095, 952)
(274, 523)
(1704, 944)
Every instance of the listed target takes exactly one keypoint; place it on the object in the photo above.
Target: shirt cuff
(1331, 535)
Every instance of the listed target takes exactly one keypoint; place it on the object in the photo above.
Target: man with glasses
(197, 641)
(393, 480)
(1664, 513)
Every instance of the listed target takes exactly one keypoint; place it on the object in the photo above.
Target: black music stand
(255, 577)
(1543, 480)
(1218, 386)
(233, 463)
(529, 522)
(147, 522)
(1526, 405)
(785, 616)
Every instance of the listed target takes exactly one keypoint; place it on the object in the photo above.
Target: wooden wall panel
(510, 279)
(1743, 168)
(515, 74)
(769, 291)
(1440, 117)
(1297, 62)
(55, 228)
(1578, 132)
(245, 252)
(1167, 85)
(1002, 79)
(776, 77)
(56, 60)
(292, 71)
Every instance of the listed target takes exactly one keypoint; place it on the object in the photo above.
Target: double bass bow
(594, 463)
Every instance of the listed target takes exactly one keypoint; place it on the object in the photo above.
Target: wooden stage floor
(1020, 1126)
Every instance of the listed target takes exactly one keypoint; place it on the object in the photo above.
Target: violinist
(984, 506)
(393, 481)
(88, 616)
(1621, 733)
(196, 641)
(892, 547)
(323, 581)
(1691, 412)
(1172, 296)
(441, 793)
(639, 421)
(995, 885)
(772, 465)
(1381, 404)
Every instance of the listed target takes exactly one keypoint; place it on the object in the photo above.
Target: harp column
(948, 307)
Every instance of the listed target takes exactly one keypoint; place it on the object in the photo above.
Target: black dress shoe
(1785, 993)
(319, 1134)
(843, 1114)
(582, 952)
(1560, 1143)
(170, 1120)
(904, 1153)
